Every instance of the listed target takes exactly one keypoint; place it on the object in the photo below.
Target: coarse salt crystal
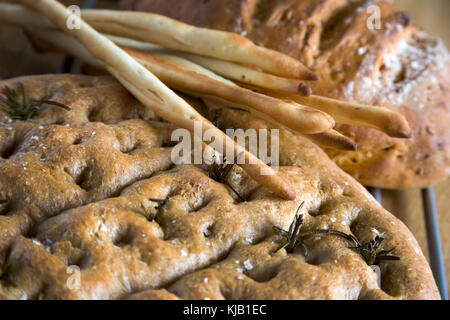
(248, 265)
(103, 228)
(415, 65)
(362, 51)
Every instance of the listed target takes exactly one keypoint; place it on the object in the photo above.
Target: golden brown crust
(397, 66)
(78, 183)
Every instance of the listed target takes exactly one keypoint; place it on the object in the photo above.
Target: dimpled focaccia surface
(76, 187)
(397, 66)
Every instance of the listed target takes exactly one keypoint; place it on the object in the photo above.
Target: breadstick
(152, 92)
(333, 139)
(381, 118)
(248, 75)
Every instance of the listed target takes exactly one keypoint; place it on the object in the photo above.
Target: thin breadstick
(381, 118)
(245, 74)
(333, 139)
(152, 92)
(184, 75)
(179, 36)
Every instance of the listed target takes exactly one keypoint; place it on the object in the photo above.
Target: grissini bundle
(185, 82)
(388, 121)
(179, 36)
(152, 93)
(381, 118)
(184, 75)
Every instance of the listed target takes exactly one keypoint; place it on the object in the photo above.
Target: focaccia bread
(397, 66)
(75, 190)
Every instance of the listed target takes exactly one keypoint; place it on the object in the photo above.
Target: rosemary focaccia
(92, 207)
(396, 66)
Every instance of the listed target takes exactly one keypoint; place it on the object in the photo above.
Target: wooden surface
(17, 58)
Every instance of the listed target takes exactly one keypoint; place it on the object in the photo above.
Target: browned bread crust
(77, 186)
(397, 66)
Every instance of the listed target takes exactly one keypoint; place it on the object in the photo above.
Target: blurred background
(432, 15)
(18, 58)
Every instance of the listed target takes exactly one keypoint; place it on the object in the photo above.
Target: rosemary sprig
(219, 172)
(292, 237)
(161, 204)
(371, 251)
(20, 106)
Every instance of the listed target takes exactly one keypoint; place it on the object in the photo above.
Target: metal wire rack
(428, 203)
(433, 236)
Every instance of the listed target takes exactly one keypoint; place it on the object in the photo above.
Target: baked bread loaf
(75, 190)
(397, 66)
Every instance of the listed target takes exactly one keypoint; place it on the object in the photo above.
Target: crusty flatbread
(397, 66)
(77, 186)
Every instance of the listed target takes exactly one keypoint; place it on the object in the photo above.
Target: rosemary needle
(19, 106)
